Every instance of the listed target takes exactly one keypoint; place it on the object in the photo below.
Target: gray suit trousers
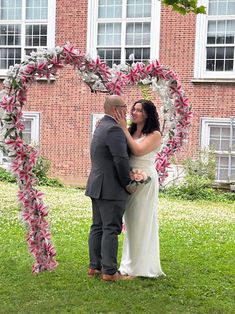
(103, 238)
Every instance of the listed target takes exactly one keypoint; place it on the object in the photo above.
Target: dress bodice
(145, 161)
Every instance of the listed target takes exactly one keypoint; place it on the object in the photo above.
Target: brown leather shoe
(115, 277)
(93, 272)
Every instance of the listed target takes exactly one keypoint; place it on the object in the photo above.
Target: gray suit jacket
(110, 162)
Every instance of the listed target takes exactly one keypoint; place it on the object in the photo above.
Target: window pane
(10, 10)
(230, 32)
(224, 162)
(36, 10)
(101, 40)
(215, 132)
(36, 35)
(147, 10)
(232, 177)
(139, 11)
(44, 13)
(220, 53)
(225, 133)
(110, 56)
(3, 34)
(210, 65)
(109, 34)
(140, 54)
(137, 54)
(110, 12)
(138, 34)
(225, 145)
(138, 8)
(210, 53)
(223, 174)
(219, 65)
(229, 53)
(130, 11)
(231, 7)
(10, 34)
(210, 38)
(222, 165)
(27, 137)
(27, 125)
(29, 13)
(215, 144)
(36, 41)
(109, 9)
(212, 8)
(9, 56)
(43, 29)
(28, 51)
(43, 41)
(35, 29)
(222, 7)
(146, 54)
(221, 26)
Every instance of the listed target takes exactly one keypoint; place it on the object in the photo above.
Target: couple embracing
(113, 196)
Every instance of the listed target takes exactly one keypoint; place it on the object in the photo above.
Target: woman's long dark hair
(152, 122)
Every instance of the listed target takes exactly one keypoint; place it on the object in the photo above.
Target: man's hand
(131, 189)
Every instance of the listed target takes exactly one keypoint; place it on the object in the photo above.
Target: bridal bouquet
(138, 177)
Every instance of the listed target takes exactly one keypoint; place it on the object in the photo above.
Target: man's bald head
(112, 102)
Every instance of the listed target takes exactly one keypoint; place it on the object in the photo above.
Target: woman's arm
(150, 142)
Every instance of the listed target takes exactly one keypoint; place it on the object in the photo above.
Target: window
(215, 41)
(25, 25)
(118, 29)
(219, 134)
(30, 133)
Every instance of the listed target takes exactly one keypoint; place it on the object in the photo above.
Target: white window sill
(213, 80)
(52, 78)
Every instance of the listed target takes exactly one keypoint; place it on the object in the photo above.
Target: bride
(141, 255)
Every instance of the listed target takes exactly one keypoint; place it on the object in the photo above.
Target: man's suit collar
(108, 117)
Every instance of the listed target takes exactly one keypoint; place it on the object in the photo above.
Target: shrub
(6, 176)
(40, 170)
(198, 181)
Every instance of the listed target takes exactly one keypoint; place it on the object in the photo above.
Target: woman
(141, 243)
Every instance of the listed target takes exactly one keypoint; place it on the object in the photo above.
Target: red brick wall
(177, 48)
(66, 104)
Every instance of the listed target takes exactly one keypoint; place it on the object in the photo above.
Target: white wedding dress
(140, 256)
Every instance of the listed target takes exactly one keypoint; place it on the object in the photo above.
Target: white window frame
(51, 20)
(95, 117)
(92, 22)
(205, 132)
(200, 72)
(34, 117)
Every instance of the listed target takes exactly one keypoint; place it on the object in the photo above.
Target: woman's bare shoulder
(154, 134)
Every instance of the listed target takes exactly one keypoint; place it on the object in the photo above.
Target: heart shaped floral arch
(99, 77)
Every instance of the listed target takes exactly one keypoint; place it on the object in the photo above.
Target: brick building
(60, 115)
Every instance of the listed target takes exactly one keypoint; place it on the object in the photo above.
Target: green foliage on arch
(185, 6)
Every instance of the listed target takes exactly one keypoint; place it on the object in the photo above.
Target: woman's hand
(121, 119)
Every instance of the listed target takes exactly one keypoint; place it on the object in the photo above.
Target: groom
(108, 188)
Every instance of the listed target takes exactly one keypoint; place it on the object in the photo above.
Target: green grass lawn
(197, 254)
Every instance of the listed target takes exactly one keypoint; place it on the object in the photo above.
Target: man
(108, 188)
